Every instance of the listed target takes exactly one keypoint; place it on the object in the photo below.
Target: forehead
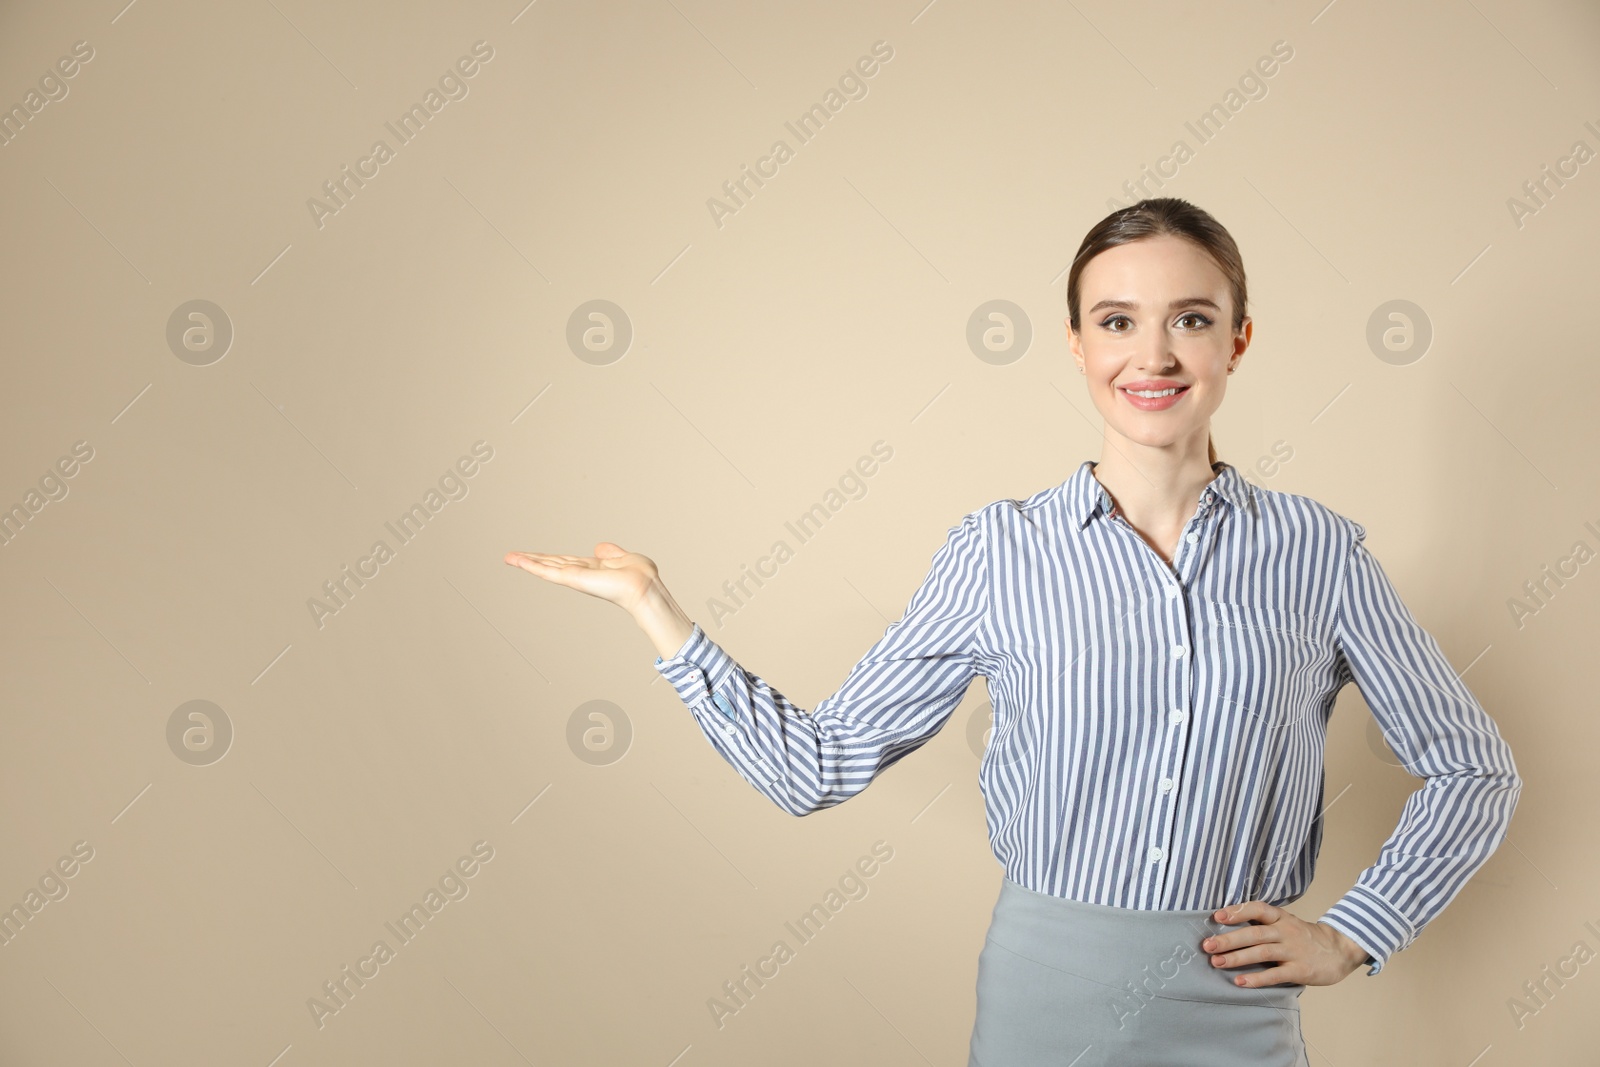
(1153, 268)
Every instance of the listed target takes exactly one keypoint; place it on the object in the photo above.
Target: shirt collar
(1085, 496)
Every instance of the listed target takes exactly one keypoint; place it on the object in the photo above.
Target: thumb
(607, 550)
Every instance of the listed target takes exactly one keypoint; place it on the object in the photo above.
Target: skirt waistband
(1137, 955)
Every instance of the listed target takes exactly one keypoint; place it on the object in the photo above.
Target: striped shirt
(1158, 728)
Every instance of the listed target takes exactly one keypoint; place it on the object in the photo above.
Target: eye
(1106, 322)
(1195, 315)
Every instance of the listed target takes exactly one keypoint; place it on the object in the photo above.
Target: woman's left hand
(1306, 953)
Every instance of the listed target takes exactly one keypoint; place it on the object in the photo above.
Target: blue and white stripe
(1159, 730)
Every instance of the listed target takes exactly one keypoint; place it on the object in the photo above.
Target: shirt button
(1177, 651)
(1166, 785)
(1155, 853)
(1193, 538)
(1172, 591)
(1178, 715)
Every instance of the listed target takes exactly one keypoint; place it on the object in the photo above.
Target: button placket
(726, 708)
(1177, 717)
(1173, 581)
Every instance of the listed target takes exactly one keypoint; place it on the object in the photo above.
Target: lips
(1152, 385)
(1159, 402)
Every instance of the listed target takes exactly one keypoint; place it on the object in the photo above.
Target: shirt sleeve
(1452, 824)
(896, 698)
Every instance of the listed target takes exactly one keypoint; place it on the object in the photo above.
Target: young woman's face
(1156, 315)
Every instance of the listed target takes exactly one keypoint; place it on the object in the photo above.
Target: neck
(1160, 492)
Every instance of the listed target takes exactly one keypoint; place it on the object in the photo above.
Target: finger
(1265, 952)
(542, 566)
(1256, 910)
(1232, 914)
(1282, 974)
(1243, 937)
(545, 559)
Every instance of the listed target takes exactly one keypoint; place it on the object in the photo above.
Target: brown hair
(1154, 218)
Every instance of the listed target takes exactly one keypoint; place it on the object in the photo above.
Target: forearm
(775, 745)
(1448, 829)
(803, 761)
(666, 624)
(900, 693)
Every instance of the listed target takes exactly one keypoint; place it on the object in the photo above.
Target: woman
(1163, 643)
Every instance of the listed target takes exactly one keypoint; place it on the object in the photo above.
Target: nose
(1156, 362)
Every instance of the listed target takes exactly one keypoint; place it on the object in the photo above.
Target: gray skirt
(1064, 982)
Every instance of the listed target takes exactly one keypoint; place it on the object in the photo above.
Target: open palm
(612, 573)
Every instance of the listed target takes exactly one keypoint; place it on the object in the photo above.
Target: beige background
(434, 710)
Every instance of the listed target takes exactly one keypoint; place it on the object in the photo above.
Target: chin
(1143, 435)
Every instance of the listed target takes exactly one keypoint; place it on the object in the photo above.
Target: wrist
(1354, 954)
(666, 624)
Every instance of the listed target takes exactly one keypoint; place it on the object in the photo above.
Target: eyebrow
(1133, 305)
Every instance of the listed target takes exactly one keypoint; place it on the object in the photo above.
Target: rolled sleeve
(1456, 820)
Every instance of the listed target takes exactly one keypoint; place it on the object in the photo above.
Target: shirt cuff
(1372, 923)
(681, 648)
(698, 669)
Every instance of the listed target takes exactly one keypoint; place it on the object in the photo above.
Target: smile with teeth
(1152, 393)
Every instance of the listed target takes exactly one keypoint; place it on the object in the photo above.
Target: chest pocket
(1268, 666)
